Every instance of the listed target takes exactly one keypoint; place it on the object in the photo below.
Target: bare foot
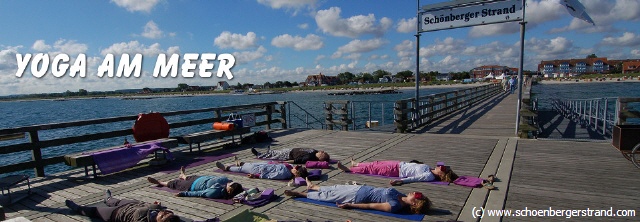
(310, 185)
(182, 170)
(353, 163)
(153, 181)
(343, 167)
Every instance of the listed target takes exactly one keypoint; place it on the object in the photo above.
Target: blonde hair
(422, 206)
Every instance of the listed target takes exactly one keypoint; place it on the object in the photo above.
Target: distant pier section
(367, 92)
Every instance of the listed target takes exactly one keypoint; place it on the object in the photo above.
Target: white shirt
(414, 172)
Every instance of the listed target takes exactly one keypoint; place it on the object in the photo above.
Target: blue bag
(235, 119)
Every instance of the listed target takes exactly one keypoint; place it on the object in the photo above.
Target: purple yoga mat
(397, 178)
(284, 161)
(114, 160)
(195, 162)
(224, 201)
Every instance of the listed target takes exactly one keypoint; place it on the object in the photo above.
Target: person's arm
(386, 207)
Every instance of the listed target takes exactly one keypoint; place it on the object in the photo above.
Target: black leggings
(182, 185)
(105, 213)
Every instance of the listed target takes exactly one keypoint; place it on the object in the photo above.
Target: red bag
(150, 126)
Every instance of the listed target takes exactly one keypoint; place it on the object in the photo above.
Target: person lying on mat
(266, 170)
(366, 197)
(295, 155)
(215, 187)
(413, 171)
(125, 211)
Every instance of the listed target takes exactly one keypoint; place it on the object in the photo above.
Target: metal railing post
(606, 118)
(353, 117)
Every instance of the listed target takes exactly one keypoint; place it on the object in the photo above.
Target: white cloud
(635, 52)
(405, 49)
(248, 56)
(361, 46)
(310, 42)
(329, 21)
(407, 25)
(627, 39)
(137, 5)
(303, 26)
(152, 31)
(443, 47)
(559, 47)
(40, 46)
(134, 47)
(8, 59)
(291, 4)
(236, 41)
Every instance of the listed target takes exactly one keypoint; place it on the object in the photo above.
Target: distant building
(631, 67)
(222, 85)
(443, 76)
(568, 67)
(496, 70)
(319, 80)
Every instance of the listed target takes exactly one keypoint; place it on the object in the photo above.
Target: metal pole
(353, 118)
(604, 116)
(289, 114)
(417, 62)
(522, 28)
(369, 115)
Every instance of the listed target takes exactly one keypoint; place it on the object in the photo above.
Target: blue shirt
(208, 186)
(369, 194)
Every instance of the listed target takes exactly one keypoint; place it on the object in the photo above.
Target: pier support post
(36, 154)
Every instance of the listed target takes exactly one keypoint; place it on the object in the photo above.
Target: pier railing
(40, 138)
(409, 116)
(599, 114)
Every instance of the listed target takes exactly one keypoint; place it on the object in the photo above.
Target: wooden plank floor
(477, 141)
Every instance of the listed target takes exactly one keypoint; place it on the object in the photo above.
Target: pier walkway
(477, 141)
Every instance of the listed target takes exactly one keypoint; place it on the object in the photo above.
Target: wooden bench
(85, 159)
(208, 135)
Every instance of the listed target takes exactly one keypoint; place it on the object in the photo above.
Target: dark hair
(302, 172)
(236, 188)
(415, 161)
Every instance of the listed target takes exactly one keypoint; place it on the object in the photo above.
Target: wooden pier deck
(478, 141)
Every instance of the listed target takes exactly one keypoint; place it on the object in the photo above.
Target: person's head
(322, 156)
(233, 189)
(418, 203)
(300, 171)
(415, 161)
(167, 216)
(444, 173)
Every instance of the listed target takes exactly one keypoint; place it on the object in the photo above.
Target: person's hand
(251, 176)
(344, 205)
(179, 194)
(157, 203)
(395, 182)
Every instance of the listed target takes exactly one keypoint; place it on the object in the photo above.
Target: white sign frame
(471, 15)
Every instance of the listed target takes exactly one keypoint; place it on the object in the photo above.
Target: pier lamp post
(417, 78)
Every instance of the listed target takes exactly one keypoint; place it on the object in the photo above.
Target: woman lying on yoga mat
(266, 170)
(366, 197)
(413, 171)
(215, 187)
(125, 210)
(295, 155)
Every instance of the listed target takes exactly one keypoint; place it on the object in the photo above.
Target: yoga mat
(115, 160)
(195, 162)
(243, 174)
(412, 217)
(224, 201)
(102, 204)
(397, 178)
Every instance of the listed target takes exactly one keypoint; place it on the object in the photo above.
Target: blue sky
(289, 39)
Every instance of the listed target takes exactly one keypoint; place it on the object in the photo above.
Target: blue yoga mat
(412, 217)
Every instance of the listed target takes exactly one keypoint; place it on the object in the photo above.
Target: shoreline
(584, 81)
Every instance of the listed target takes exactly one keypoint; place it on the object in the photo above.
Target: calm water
(27, 113)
